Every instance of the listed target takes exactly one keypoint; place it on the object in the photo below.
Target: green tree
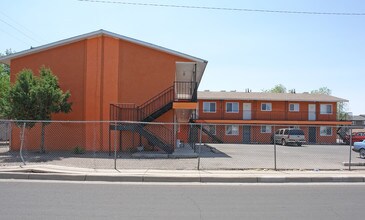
(342, 107)
(279, 88)
(5, 68)
(4, 93)
(37, 98)
(322, 90)
(4, 84)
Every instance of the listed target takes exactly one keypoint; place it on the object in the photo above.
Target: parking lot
(248, 156)
(212, 157)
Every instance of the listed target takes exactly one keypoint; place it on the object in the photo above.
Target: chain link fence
(131, 145)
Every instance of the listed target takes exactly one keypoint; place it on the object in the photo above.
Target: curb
(181, 179)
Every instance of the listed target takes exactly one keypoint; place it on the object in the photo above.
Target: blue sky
(244, 49)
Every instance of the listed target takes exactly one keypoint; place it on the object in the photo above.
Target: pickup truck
(356, 137)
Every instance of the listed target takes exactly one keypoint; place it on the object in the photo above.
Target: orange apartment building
(246, 117)
(112, 78)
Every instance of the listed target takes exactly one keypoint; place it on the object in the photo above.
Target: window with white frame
(325, 131)
(326, 109)
(232, 107)
(209, 107)
(232, 129)
(294, 107)
(265, 129)
(266, 107)
(210, 128)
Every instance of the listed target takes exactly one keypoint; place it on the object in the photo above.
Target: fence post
(274, 140)
(200, 144)
(115, 147)
(94, 143)
(350, 149)
(22, 143)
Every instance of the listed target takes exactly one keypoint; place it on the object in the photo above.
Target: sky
(244, 50)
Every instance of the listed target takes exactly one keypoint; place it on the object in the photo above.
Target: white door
(312, 112)
(246, 111)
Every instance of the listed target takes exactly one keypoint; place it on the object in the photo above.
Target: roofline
(268, 99)
(274, 100)
(101, 32)
(272, 122)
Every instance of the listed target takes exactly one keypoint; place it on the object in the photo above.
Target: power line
(226, 9)
(19, 31)
(24, 28)
(14, 36)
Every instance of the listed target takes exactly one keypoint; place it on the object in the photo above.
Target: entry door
(246, 134)
(246, 111)
(312, 112)
(312, 135)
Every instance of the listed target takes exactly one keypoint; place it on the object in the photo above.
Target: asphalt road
(79, 200)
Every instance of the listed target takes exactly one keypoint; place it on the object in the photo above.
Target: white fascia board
(7, 59)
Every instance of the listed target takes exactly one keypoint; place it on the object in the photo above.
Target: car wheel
(362, 153)
(283, 142)
(299, 144)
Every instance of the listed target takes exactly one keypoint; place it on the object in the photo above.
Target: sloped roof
(7, 59)
(299, 97)
(358, 118)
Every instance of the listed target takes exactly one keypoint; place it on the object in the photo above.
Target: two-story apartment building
(249, 117)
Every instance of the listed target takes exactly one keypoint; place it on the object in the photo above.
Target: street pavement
(80, 200)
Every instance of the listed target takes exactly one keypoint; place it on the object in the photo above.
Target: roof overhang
(190, 71)
(265, 122)
(101, 32)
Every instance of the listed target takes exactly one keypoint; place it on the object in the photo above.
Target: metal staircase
(157, 134)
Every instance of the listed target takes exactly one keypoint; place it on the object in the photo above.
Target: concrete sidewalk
(51, 172)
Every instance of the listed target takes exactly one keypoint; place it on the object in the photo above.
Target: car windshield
(296, 132)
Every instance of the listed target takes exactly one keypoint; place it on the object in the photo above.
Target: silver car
(287, 136)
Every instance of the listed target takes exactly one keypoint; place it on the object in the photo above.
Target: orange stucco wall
(280, 111)
(98, 72)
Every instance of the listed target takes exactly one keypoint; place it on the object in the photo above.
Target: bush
(78, 150)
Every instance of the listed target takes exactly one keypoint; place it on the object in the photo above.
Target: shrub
(78, 150)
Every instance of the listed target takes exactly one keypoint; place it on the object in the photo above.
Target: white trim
(266, 103)
(325, 127)
(93, 34)
(238, 107)
(325, 113)
(294, 104)
(268, 129)
(215, 110)
(238, 130)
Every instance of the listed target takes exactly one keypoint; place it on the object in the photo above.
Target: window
(294, 107)
(265, 129)
(325, 131)
(326, 109)
(265, 106)
(209, 107)
(210, 128)
(232, 107)
(231, 129)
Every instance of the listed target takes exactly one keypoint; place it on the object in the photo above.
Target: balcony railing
(271, 115)
(186, 91)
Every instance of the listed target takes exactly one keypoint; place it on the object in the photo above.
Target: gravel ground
(212, 157)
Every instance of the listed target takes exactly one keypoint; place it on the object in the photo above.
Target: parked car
(356, 137)
(287, 136)
(360, 148)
